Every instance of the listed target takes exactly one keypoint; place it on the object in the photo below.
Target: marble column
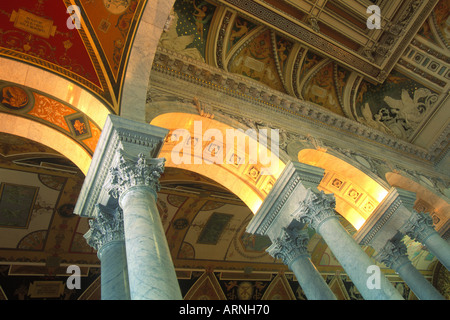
(135, 182)
(317, 209)
(420, 228)
(291, 248)
(106, 235)
(394, 256)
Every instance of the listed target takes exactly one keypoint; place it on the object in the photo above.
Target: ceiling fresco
(32, 104)
(237, 42)
(93, 56)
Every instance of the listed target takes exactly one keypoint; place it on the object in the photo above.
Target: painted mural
(396, 107)
(257, 61)
(35, 105)
(241, 27)
(189, 26)
(322, 88)
(112, 23)
(38, 29)
(442, 16)
(16, 204)
(93, 56)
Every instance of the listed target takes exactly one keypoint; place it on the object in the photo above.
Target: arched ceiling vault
(395, 80)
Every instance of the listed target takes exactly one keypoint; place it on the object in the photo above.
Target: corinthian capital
(106, 227)
(290, 245)
(135, 172)
(393, 254)
(315, 208)
(419, 226)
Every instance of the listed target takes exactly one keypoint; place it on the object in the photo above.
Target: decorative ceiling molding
(195, 73)
(375, 63)
(93, 56)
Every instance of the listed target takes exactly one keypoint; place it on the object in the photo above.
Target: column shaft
(106, 235)
(422, 288)
(355, 261)
(309, 278)
(291, 247)
(394, 255)
(439, 248)
(420, 227)
(150, 268)
(114, 275)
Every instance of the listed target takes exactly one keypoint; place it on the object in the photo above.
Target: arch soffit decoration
(245, 178)
(65, 125)
(69, 93)
(357, 193)
(47, 136)
(427, 199)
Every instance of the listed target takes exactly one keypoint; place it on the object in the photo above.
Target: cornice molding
(247, 91)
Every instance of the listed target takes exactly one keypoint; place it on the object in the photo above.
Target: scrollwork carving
(135, 172)
(315, 208)
(290, 245)
(106, 227)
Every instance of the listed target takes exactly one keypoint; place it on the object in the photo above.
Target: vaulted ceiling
(93, 56)
(395, 79)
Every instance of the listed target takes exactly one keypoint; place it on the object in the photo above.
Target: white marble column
(292, 202)
(106, 235)
(317, 209)
(291, 248)
(420, 228)
(150, 268)
(394, 256)
(120, 169)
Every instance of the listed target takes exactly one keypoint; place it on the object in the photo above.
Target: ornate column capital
(419, 226)
(290, 245)
(393, 255)
(315, 208)
(106, 227)
(131, 172)
(119, 135)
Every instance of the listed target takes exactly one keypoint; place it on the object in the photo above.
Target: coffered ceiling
(394, 79)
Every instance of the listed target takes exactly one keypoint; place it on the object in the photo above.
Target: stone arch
(357, 193)
(426, 200)
(47, 136)
(145, 43)
(245, 178)
(55, 86)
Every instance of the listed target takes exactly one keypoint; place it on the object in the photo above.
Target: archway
(357, 194)
(426, 200)
(55, 86)
(199, 144)
(47, 136)
(145, 42)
